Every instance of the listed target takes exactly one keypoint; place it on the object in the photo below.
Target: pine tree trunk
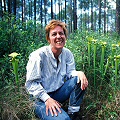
(118, 16)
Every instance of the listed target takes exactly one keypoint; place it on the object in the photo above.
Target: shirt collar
(50, 51)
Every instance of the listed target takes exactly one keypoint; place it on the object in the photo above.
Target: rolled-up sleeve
(33, 78)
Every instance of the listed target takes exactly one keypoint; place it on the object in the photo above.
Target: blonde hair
(53, 23)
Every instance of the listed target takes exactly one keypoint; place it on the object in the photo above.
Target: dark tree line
(97, 15)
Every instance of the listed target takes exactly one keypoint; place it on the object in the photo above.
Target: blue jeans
(70, 90)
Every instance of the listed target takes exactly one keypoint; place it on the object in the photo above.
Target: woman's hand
(83, 79)
(53, 106)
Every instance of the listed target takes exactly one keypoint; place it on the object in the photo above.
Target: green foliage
(22, 38)
(101, 66)
(94, 55)
(15, 34)
(19, 37)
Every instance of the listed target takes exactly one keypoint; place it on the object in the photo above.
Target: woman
(52, 78)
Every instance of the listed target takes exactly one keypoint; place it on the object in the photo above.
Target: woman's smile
(57, 38)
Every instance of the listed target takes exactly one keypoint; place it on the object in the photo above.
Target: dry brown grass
(15, 104)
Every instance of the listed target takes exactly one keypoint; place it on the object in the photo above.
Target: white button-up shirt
(43, 73)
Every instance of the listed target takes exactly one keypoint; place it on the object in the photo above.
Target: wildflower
(14, 54)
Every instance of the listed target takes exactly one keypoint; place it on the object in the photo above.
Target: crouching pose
(52, 78)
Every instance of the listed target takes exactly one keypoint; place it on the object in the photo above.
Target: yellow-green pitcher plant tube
(94, 59)
(14, 62)
(103, 46)
(114, 46)
(117, 61)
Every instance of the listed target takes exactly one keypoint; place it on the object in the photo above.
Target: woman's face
(57, 38)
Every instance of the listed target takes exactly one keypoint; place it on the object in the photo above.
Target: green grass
(101, 66)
